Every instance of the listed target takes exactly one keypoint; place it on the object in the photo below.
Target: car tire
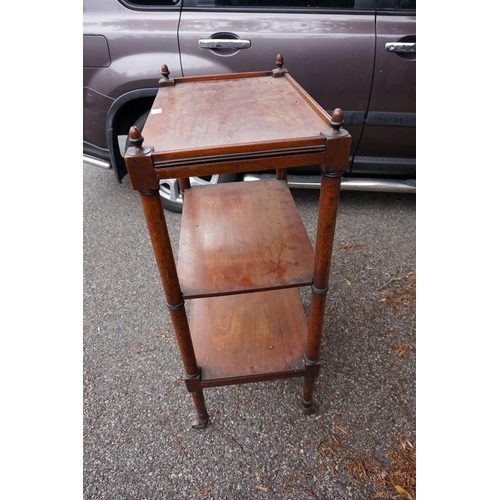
(171, 197)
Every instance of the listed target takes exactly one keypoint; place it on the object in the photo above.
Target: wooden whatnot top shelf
(242, 237)
(235, 116)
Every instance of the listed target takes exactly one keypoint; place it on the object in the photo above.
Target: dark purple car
(358, 55)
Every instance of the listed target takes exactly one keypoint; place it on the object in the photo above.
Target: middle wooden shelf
(242, 237)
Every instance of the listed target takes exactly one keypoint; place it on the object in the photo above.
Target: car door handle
(223, 43)
(401, 47)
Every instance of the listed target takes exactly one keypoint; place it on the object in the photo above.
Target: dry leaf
(261, 488)
(402, 491)
(348, 283)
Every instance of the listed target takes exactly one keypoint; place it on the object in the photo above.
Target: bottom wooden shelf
(249, 337)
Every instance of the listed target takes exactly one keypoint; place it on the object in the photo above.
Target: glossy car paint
(388, 141)
(139, 42)
(317, 50)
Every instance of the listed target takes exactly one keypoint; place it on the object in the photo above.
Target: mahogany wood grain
(307, 98)
(229, 114)
(240, 237)
(160, 240)
(239, 165)
(220, 76)
(250, 337)
(327, 217)
(281, 174)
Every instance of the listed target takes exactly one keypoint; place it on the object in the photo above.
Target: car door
(328, 46)
(125, 44)
(387, 146)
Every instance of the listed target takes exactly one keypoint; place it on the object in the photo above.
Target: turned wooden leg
(201, 410)
(328, 205)
(155, 219)
(312, 372)
(308, 405)
(281, 174)
(193, 384)
(184, 183)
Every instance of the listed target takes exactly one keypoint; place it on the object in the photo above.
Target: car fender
(118, 121)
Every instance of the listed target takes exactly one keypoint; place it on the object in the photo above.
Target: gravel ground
(138, 443)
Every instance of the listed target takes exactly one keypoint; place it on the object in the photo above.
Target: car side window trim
(211, 5)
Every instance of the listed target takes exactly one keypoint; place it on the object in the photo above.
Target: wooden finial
(279, 61)
(165, 71)
(280, 71)
(135, 137)
(165, 81)
(337, 119)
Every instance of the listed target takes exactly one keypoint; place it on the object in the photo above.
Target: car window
(404, 6)
(407, 4)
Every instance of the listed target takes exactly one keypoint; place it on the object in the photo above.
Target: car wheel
(171, 197)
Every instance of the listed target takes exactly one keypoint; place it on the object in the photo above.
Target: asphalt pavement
(138, 443)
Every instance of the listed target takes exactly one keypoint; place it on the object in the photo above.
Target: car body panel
(316, 50)
(390, 124)
(139, 43)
